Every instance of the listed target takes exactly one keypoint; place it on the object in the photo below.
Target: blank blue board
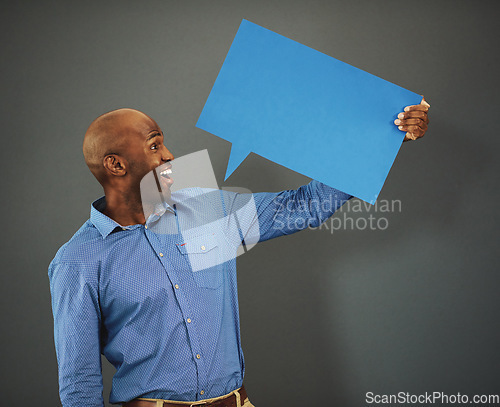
(306, 111)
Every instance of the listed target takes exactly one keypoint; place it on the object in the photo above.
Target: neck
(124, 207)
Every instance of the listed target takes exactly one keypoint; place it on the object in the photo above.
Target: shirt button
(198, 356)
(189, 320)
(124, 228)
(176, 286)
(202, 392)
(145, 226)
(161, 254)
(202, 247)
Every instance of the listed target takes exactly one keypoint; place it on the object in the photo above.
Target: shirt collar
(105, 225)
(159, 210)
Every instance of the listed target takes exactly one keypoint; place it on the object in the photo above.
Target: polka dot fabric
(138, 295)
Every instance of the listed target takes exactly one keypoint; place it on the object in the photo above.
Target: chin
(155, 188)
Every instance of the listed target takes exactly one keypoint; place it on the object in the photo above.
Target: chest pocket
(203, 255)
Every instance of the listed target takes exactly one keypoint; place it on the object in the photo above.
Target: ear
(115, 165)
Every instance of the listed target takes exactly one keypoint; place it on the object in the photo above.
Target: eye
(154, 147)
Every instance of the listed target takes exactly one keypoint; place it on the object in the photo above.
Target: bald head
(111, 135)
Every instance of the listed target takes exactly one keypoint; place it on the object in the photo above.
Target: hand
(414, 120)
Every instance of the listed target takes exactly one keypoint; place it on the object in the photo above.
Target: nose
(166, 155)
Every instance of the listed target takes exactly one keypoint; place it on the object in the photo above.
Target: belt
(230, 400)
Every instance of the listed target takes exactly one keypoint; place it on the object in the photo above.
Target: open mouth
(165, 175)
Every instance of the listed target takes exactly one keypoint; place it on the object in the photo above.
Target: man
(162, 306)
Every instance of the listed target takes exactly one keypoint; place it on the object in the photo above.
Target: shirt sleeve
(286, 212)
(77, 324)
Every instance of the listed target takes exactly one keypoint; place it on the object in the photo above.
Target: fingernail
(407, 108)
(400, 127)
(397, 121)
(401, 116)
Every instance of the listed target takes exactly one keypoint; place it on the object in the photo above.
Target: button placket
(168, 260)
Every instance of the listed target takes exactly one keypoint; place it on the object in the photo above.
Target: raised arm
(289, 211)
(266, 215)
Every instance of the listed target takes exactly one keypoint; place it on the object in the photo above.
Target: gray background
(325, 317)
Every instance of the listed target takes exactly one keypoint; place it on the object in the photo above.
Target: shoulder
(82, 249)
(84, 238)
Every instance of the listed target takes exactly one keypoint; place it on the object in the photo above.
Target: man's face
(145, 150)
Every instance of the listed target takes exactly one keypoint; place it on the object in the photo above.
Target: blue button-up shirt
(160, 300)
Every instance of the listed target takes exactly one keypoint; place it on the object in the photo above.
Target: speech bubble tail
(236, 157)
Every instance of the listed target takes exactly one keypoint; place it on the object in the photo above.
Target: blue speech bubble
(306, 111)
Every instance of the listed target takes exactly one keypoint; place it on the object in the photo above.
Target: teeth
(168, 171)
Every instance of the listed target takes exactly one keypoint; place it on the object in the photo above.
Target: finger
(405, 122)
(414, 114)
(414, 135)
(409, 136)
(422, 108)
(424, 102)
(412, 129)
